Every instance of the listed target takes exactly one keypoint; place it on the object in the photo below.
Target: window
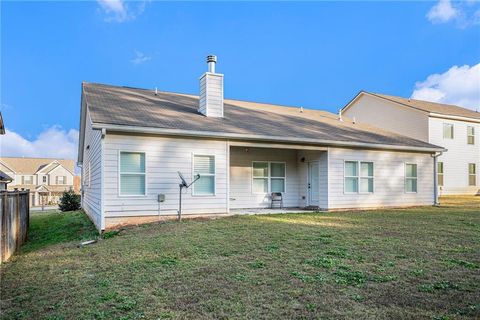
(268, 177)
(440, 174)
(358, 180)
(132, 174)
(447, 131)
(44, 179)
(351, 176)
(472, 174)
(27, 179)
(277, 177)
(61, 180)
(205, 166)
(470, 135)
(410, 177)
(366, 177)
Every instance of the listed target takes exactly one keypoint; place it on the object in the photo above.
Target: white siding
(164, 157)
(58, 172)
(389, 171)
(211, 95)
(459, 155)
(92, 158)
(241, 194)
(389, 116)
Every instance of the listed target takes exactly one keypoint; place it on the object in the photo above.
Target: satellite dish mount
(183, 184)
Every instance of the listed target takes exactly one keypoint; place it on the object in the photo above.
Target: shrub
(70, 201)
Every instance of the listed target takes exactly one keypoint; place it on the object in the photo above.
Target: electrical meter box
(161, 197)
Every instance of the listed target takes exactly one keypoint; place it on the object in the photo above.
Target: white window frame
(471, 135)
(472, 174)
(214, 174)
(453, 130)
(44, 179)
(31, 180)
(406, 178)
(440, 174)
(358, 176)
(135, 173)
(64, 178)
(268, 177)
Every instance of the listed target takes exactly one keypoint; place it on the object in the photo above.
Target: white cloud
(458, 85)
(139, 58)
(120, 10)
(443, 11)
(53, 142)
(463, 13)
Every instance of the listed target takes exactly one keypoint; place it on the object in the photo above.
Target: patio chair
(276, 198)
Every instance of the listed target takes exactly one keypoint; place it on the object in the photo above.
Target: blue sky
(315, 55)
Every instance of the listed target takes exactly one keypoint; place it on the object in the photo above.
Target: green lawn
(390, 264)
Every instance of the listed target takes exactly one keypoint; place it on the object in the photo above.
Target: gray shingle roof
(432, 107)
(123, 106)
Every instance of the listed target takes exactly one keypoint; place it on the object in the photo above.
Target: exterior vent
(211, 91)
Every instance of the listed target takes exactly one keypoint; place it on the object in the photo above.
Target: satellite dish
(184, 182)
(185, 185)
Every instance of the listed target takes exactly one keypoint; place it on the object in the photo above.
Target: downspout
(435, 177)
(102, 179)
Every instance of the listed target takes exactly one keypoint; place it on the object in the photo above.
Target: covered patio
(297, 172)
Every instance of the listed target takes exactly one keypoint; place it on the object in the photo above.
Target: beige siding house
(452, 127)
(133, 143)
(46, 178)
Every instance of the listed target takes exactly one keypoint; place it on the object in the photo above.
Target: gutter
(435, 177)
(241, 136)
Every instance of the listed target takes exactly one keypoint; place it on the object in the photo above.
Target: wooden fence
(14, 221)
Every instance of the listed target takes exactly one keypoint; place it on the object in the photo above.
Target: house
(5, 179)
(46, 178)
(451, 127)
(133, 142)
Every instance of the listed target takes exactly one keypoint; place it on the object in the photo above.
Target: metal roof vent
(211, 61)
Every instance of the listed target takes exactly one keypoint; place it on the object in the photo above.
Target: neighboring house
(5, 179)
(133, 141)
(46, 179)
(454, 128)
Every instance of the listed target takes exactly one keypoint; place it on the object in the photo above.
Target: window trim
(453, 130)
(32, 178)
(440, 174)
(405, 178)
(471, 135)
(269, 177)
(44, 179)
(208, 174)
(358, 176)
(64, 178)
(472, 174)
(136, 173)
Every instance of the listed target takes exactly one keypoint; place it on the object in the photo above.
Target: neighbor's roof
(32, 165)
(5, 177)
(426, 106)
(140, 110)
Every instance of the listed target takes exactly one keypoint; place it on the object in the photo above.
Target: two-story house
(452, 127)
(46, 178)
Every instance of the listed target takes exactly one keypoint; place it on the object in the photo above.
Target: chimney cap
(211, 58)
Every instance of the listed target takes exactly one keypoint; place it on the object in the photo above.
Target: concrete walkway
(269, 211)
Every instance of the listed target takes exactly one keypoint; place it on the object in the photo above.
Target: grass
(398, 264)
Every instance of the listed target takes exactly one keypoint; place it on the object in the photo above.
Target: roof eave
(240, 136)
(452, 117)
